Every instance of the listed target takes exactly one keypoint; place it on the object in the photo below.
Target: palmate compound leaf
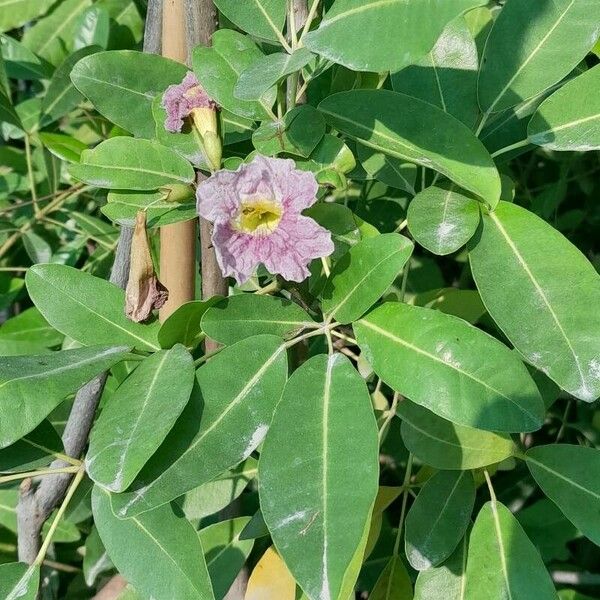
(318, 474)
(32, 386)
(86, 308)
(411, 129)
(533, 46)
(439, 518)
(159, 552)
(448, 366)
(364, 274)
(502, 561)
(570, 476)
(228, 415)
(138, 416)
(517, 255)
(349, 29)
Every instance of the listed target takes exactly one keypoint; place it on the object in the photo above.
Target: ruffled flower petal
(179, 101)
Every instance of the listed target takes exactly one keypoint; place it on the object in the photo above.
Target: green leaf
(436, 360)
(123, 206)
(225, 553)
(268, 71)
(88, 309)
(502, 562)
(37, 248)
(394, 582)
(49, 37)
(132, 164)
(32, 386)
(34, 450)
(392, 123)
(532, 47)
(30, 325)
(20, 62)
(224, 422)
(439, 518)
(387, 169)
(348, 32)
(122, 85)
(15, 13)
(442, 218)
(95, 559)
(242, 316)
(364, 274)
(447, 75)
(167, 561)
(63, 146)
(183, 326)
(445, 445)
(138, 417)
(298, 133)
(570, 118)
(62, 96)
(315, 505)
(570, 477)
(92, 28)
(19, 581)
(218, 69)
(213, 496)
(446, 581)
(518, 255)
(262, 18)
(7, 112)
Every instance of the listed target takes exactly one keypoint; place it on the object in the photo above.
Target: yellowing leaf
(271, 579)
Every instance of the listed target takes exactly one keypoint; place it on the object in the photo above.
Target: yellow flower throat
(259, 217)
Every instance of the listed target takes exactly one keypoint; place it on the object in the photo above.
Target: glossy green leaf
(30, 325)
(570, 118)
(445, 445)
(95, 559)
(387, 169)
(7, 112)
(34, 450)
(446, 581)
(393, 123)
(218, 69)
(267, 71)
(518, 255)
(49, 37)
(394, 582)
(364, 274)
(20, 62)
(298, 133)
(262, 18)
(502, 562)
(347, 33)
(224, 422)
(167, 561)
(447, 75)
(122, 207)
(183, 326)
(88, 309)
(62, 96)
(92, 28)
(570, 477)
(132, 164)
(313, 500)
(32, 386)
(439, 518)
(138, 416)
(242, 316)
(225, 552)
(122, 85)
(19, 581)
(435, 360)
(63, 146)
(14, 13)
(533, 46)
(442, 218)
(215, 495)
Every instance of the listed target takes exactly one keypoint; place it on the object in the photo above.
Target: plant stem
(61, 511)
(490, 486)
(39, 472)
(311, 15)
(345, 337)
(514, 146)
(390, 415)
(405, 485)
(405, 280)
(34, 199)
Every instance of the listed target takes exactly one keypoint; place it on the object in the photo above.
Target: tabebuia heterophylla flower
(257, 218)
(144, 292)
(188, 100)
